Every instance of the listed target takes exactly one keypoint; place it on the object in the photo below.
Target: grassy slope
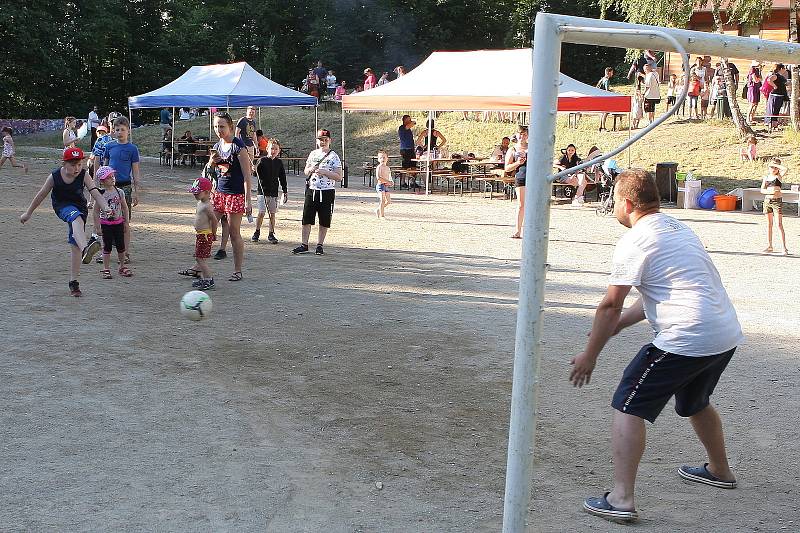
(710, 149)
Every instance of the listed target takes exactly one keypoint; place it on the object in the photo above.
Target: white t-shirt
(94, 120)
(331, 163)
(331, 81)
(652, 84)
(682, 293)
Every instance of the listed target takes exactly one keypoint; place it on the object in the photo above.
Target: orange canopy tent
(480, 80)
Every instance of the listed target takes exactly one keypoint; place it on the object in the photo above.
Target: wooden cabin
(775, 27)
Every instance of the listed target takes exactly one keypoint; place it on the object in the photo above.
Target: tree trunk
(794, 96)
(742, 126)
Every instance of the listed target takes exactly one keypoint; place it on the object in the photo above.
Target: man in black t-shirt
(246, 132)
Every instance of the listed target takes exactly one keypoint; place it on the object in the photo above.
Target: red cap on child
(72, 154)
(200, 184)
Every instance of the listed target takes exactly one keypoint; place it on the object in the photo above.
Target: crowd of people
(322, 83)
(112, 177)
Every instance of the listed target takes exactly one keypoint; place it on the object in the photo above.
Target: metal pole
(172, 151)
(130, 121)
(428, 164)
(546, 58)
(344, 159)
(259, 118)
(629, 138)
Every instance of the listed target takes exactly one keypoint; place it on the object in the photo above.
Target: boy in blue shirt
(123, 156)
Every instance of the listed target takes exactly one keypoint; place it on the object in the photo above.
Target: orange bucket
(725, 202)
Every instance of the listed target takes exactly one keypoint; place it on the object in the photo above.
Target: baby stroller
(605, 194)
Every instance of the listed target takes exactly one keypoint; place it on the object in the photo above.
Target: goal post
(551, 30)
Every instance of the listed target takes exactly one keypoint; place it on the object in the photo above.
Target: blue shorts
(382, 187)
(654, 376)
(69, 213)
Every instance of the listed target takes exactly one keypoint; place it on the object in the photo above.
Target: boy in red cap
(65, 186)
(205, 225)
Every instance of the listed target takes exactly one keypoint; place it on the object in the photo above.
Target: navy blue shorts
(654, 376)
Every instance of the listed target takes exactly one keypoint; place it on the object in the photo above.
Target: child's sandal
(106, 274)
(236, 276)
(125, 272)
(190, 272)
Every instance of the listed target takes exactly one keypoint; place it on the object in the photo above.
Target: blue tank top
(231, 177)
(68, 194)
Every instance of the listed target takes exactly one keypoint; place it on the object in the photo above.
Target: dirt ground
(366, 390)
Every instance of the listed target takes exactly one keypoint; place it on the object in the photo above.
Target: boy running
(65, 186)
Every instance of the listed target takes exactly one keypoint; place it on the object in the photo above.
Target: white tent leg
(210, 125)
(345, 177)
(316, 120)
(629, 138)
(172, 151)
(259, 118)
(130, 121)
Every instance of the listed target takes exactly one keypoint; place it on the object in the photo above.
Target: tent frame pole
(130, 121)
(344, 157)
(316, 120)
(172, 150)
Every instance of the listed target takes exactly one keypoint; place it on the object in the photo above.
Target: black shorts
(408, 154)
(113, 234)
(650, 104)
(654, 376)
(318, 203)
(671, 100)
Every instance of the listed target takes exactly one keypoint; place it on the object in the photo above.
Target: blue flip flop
(700, 474)
(601, 507)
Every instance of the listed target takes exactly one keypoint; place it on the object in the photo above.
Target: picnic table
(750, 195)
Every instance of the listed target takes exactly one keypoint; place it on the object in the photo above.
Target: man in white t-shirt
(652, 91)
(323, 169)
(696, 332)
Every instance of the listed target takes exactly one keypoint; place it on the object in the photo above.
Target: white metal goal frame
(551, 30)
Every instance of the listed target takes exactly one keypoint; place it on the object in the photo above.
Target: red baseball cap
(200, 184)
(72, 154)
(323, 133)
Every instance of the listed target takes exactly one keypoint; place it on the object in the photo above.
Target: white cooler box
(688, 194)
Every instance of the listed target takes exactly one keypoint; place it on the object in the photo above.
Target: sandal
(106, 274)
(601, 507)
(190, 272)
(125, 272)
(236, 276)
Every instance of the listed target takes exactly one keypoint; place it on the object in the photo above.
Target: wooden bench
(749, 196)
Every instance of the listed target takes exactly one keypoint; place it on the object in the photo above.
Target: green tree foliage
(62, 57)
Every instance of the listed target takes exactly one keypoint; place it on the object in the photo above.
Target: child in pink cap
(112, 223)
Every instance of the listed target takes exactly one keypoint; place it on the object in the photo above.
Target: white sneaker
(578, 201)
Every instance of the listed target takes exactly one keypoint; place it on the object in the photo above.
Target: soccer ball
(196, 305)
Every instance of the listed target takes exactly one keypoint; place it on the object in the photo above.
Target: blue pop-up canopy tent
(232, 85)
(223, 86)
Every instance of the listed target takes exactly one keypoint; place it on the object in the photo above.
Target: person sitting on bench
(570, 159)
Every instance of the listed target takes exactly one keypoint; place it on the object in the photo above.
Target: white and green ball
(196, 305)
